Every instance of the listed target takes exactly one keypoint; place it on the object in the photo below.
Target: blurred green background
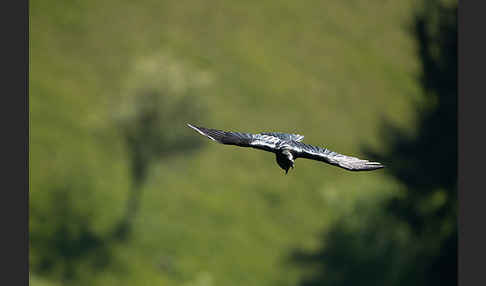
(123, 193)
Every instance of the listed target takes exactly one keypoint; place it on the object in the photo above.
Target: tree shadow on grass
(67, 237)
(65, 242)
(155, 131)
(365, 254)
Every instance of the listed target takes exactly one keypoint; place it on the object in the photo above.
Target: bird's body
(287, 148)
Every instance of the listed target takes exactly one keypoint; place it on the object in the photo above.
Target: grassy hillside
(212, 215)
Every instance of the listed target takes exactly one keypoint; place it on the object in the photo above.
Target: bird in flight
(287, 148)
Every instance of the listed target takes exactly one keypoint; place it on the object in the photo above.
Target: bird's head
(284, 160)
(288, 168)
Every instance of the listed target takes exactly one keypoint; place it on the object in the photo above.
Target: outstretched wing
(257, 141)
(285, 136)
(301, 150)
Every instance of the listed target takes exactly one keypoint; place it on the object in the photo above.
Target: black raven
(287, 148)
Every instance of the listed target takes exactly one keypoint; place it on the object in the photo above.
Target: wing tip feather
(200, 131)
(374, 166)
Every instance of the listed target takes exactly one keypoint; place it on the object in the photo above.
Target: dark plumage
(287, 148)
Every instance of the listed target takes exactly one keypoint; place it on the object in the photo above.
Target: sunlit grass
(331, 71)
